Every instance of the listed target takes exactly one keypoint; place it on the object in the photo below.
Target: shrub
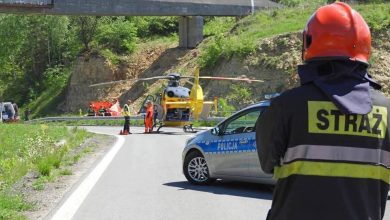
(218, 25)
(212, 53)
(44, 167)
(224, 108)
(118, 35)
(11, 205)
(151, 26)
(55, 77)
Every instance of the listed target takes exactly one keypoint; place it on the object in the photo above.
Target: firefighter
(327, 141)
(149, 117)
(126, 113)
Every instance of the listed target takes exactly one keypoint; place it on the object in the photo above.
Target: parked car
(228, 151)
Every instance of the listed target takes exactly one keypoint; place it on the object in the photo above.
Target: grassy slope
(47, 103)
(244, 37)
(30, 147)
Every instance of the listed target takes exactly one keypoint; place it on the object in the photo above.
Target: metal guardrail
(91, 118)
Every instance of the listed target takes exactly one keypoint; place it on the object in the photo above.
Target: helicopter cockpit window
(173, 84)
(244, 123)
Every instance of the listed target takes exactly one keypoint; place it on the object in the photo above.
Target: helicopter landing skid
(160, 125)
(189, 129)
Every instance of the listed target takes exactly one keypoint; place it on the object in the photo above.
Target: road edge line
(74, 201)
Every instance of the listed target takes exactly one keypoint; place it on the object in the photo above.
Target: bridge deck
(139, 7)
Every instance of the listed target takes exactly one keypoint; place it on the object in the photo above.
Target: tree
(86, 28)
(118, 35)
(28, 46)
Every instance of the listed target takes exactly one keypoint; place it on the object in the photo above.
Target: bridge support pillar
(190, 31)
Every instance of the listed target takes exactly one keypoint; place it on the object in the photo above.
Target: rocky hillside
(259, 46)
(274, 61)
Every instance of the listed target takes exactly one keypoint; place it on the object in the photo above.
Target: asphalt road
(145, 181)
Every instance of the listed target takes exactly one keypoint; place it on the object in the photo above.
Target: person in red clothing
(149, 117)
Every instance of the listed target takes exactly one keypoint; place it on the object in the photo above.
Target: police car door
(235, 142)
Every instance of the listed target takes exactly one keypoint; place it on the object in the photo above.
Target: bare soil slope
(275, 61)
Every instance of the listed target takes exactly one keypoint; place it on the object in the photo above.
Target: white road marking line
(72, 204)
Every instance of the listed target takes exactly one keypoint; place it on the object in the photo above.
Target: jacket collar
(346, 83)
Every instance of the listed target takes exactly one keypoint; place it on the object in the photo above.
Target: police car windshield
(243, 122)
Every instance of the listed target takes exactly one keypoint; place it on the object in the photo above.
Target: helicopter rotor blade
(187, 77)
(155, 77)
(131, 80)
(241, 78)
(109, 83)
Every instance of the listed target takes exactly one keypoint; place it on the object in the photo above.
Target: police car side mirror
(216, 131)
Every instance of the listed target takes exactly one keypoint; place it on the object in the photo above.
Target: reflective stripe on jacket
(328, 165)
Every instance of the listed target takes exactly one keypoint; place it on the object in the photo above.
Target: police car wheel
(196, 170)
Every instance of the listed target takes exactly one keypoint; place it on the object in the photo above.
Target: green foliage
(212, 53)
(118, 34)
(152, 26)
(49, 162)
(55, 76)
(109, 55)
(224, 108)
(85, 27)
(44, 167)
(377, 16)
(243, 39)
(218, 25)
(241, 96)
(31, 147)
(38, 43)
(11, 205)
(55, 81)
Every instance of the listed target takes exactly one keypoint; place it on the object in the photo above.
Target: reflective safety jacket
(329, 166)
(126, 110)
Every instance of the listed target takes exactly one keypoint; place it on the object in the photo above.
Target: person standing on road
(126, 113)
(327, 141)
(16, 109)
(149, 117)
(27, 114)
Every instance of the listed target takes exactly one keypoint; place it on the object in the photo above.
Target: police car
(227, 151)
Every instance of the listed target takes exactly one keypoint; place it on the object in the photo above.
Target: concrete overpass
(191, 11)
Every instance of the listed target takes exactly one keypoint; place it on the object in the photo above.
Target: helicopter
(177, 105)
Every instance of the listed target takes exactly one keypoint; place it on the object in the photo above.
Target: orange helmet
(336, 31)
